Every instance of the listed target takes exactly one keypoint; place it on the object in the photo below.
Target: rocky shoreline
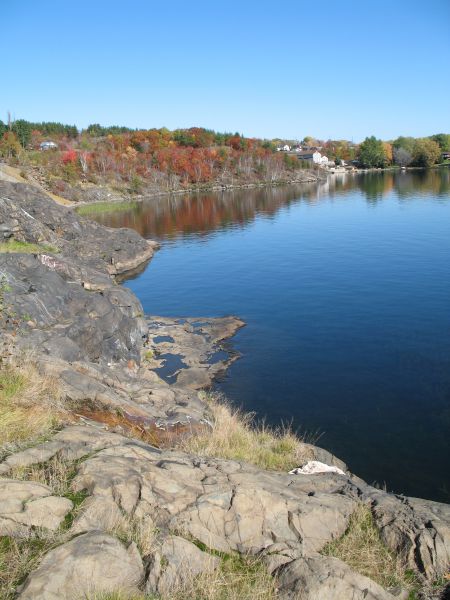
(62, 306)
(91, 194)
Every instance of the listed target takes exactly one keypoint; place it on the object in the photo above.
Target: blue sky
(329, 69)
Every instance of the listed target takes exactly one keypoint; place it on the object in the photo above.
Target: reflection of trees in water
(177, 215)
(431, 182)
(196, 213)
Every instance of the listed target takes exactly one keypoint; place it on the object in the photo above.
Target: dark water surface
(345, 288)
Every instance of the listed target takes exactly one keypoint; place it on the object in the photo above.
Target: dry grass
(134, 529)
(235, 436)
(30, 404)
(56, 473)
(237, 578)
(362, 549)
(20, 556)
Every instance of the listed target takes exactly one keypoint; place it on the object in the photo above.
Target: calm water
(345, 288)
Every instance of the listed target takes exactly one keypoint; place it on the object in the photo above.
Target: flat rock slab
(27, 504)
(189, 352)
(89, 564)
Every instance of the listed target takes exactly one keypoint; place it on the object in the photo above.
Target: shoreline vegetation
(114, 163)
(93, 494)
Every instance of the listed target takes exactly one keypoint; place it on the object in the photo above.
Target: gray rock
(97, 514)
(225, 505)
(88, 564)
(33, 217)
(71, 322)
(418, 529)
(231, 507)
(27, 504)
(176, 562)
(326, 578)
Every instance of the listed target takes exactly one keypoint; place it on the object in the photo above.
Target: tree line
(403, 151)
(137, 158)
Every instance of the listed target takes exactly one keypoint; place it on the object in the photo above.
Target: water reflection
(186, 214)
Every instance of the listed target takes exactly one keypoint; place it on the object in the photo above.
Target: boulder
(326, 578)
(90, 563)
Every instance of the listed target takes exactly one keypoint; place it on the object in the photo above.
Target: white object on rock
(314, 466)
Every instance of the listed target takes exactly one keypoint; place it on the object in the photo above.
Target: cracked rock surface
(223, 506)
(27, 504)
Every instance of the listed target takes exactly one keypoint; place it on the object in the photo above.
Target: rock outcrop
(90, 332)
(202, 508)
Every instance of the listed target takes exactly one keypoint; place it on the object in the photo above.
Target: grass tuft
(104, 207)
(237, 578)
(56, 473)
(235, 436)
(18, 557)
(26, 247)
(363, 550)
(134, 529)
(30, 405)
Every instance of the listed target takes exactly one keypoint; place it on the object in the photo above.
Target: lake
(345, 289)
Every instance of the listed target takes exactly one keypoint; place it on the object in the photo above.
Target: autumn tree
(372, 153)
(426, 152)
(388, 152)
(9, 145)
(309, 141)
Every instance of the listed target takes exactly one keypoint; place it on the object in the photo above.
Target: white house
(312, 155)
(48, 145)
(284, 148)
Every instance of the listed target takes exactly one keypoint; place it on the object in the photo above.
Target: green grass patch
(104, 207)
(362, 548)
(26, 247)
